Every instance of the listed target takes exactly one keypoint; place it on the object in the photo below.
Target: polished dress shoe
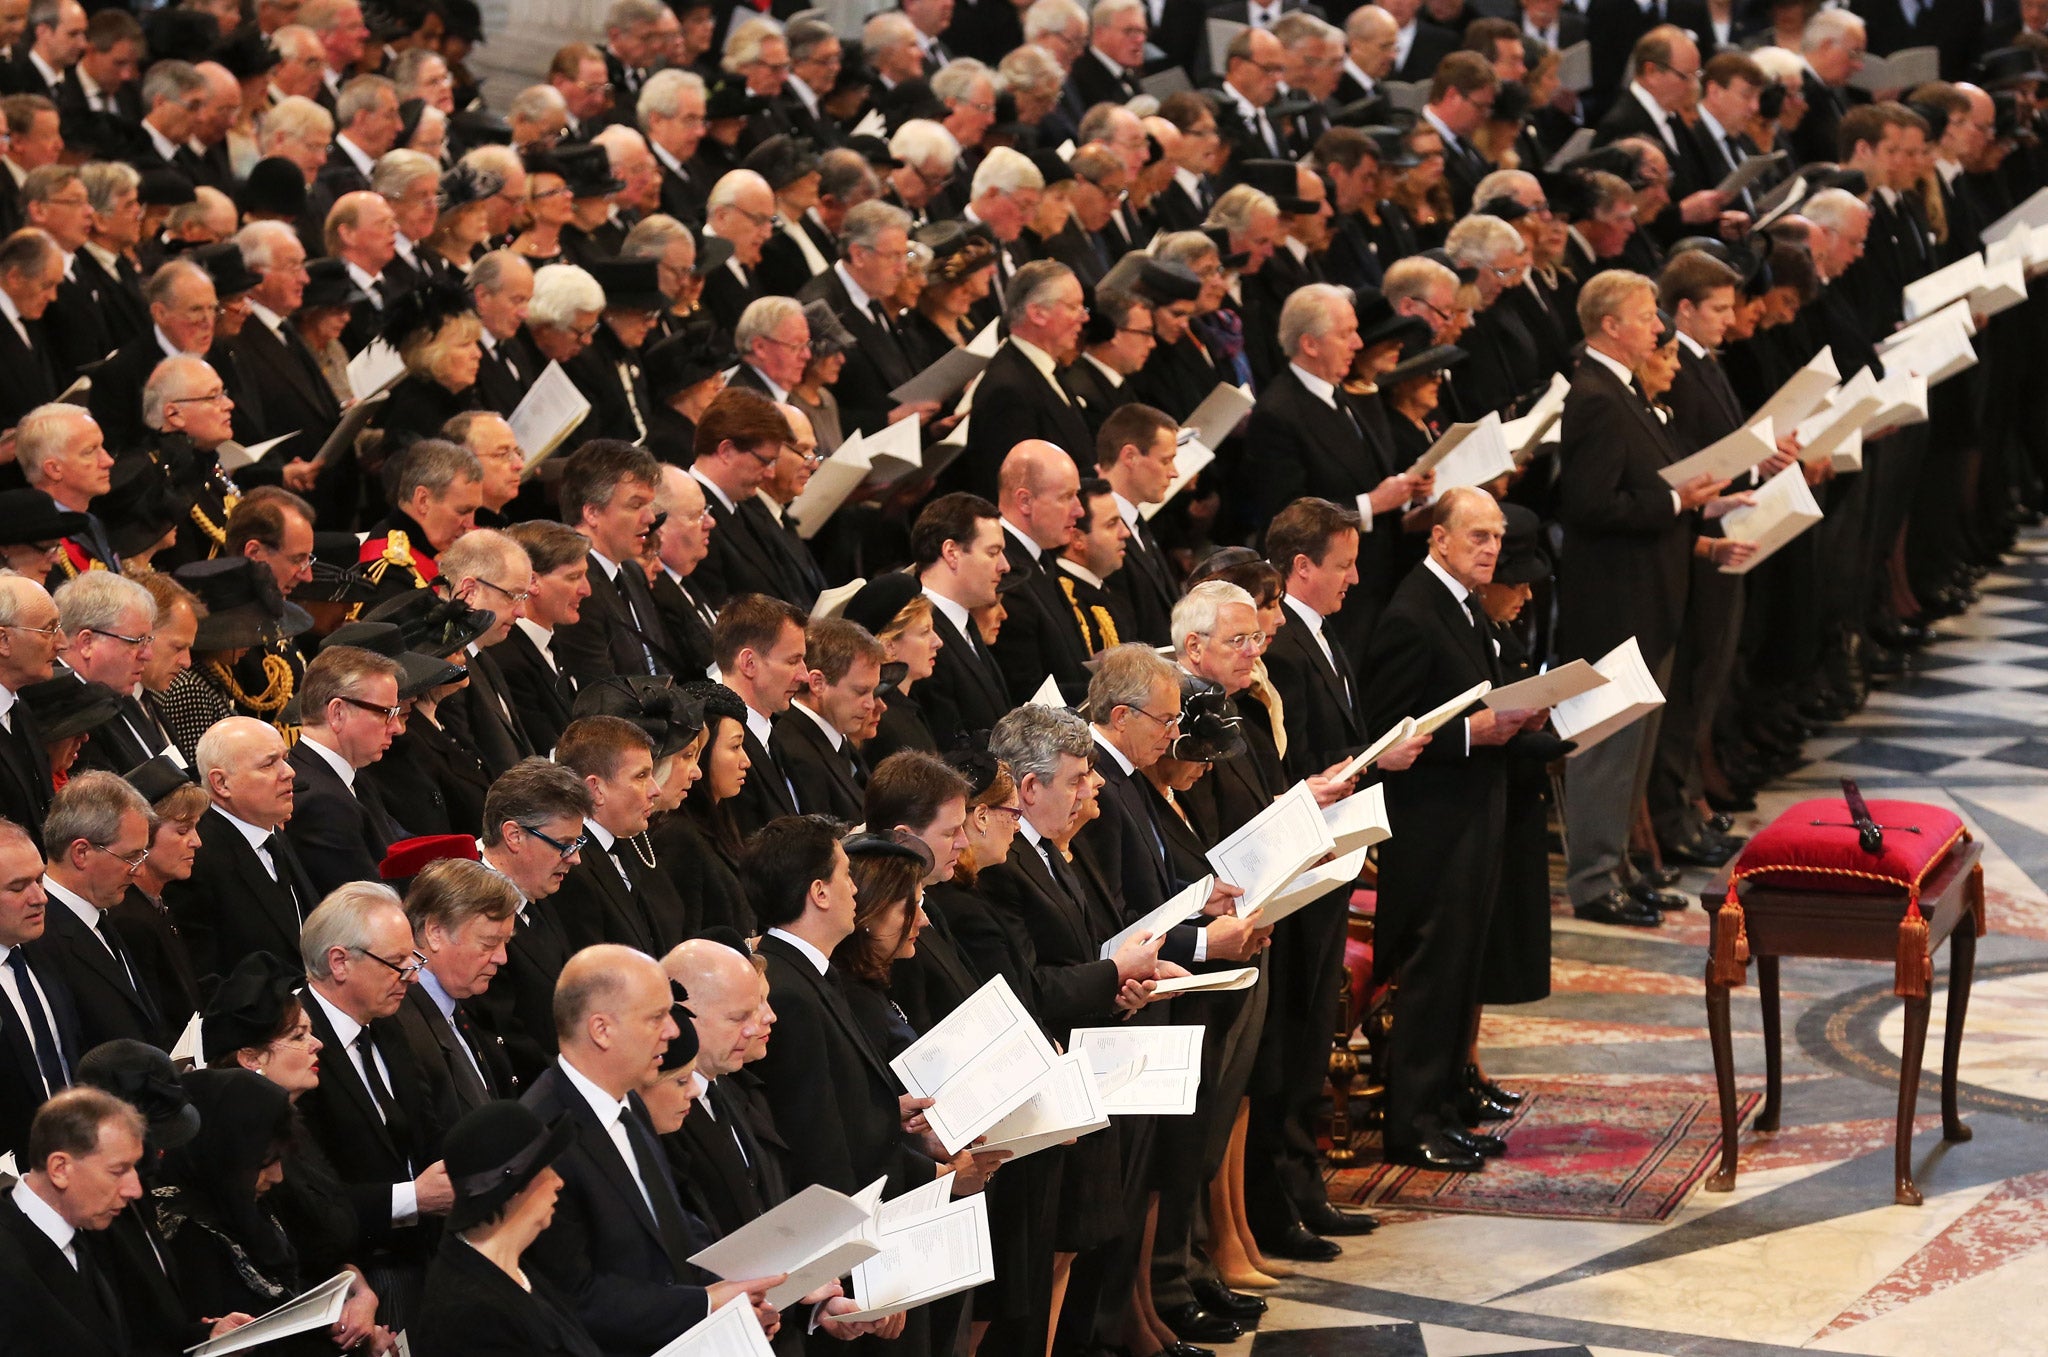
(1645, 868)
(1643, 893)
(1219, 1299)
(1175, 1350)
(1480, 1084)
(1192, 1324)
(1474, 1107)
(1704, 849)
(1298, 1244)
(1331, 1220)
(1479, 1143)
(1615, 907)
(1439, 1155)
(1720, 823)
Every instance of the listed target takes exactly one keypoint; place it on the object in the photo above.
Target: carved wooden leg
(1723, 1178)
(1904, 1192)
(1774, 1055)
(1962, 966)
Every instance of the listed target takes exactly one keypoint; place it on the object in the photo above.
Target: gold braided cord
(277, 690)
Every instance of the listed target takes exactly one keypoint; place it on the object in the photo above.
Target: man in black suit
(1020, 396)
(1833, 45)
(1419, 44)
(1314, 545)
(740, 437)
(182, 310)
(1108, 71)
(784, 484)
(741, 209)
(739, 1175)
(31, 273)
(831, 1090)
(39, 1041)
(108, 618)
(487, 569)
(374, 1113)
(248, 891)
(534, 682)
(1460, 97)
(463, 915)
(349, 708)
(1731, 85)
(872, 244)
(30, 635)
(55, 201)
(1313, 439)
(758, 646)
(607, 494)
(502, 285)
(271, 353)
(620, 1241)
(1040, 501)
(616, 894)
(532, 833)
(1624, 574)
(1552, 22)
(813, 739)
(366, 125)
(1251, 83)
(1612, 27)
(957, 550)
(80, 1174)
(97, 825)
(1135, 453)
(671, 112)
(1667, 79)
(1434, 642)
(46, 57)
(681, 599)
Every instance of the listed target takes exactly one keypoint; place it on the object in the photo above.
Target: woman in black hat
(244, 613)
(684, 372)
(431, 782)
(228, 1251)
(1184, 368)
(894, 608)
(549, 208)
(479, 1301)
(1419, 189)
(256, 1022)
(322, 315)
(66, 710)
(435, 330)
(462, 223)
(176, 802)
(812, 394)
(698, 843)
(888, 874)
(1410, 390)
(672, 1091)
(959, 279)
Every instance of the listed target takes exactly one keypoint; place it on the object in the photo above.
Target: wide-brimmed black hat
(422, 672)
(1161, 281)
(713, 252)
(248, 1005)
(328, 284)
(828, 336)
(243, 605)
(875, 151)
(1392, 144)
(782, 160)
(143, 1077)
(1219, 236)
(474, 127)
(164, 188)
(1380, 323)
(493, 1153)
(274, 188)
(2003, 68)
(1277, 180)
(32, 516)
(223, 264)
(630, 284)
(880, 599)
(157, 778)
(141, 504)
(586, 170)
(68, 705)
(1422, 363)
(685, 358)
(463, 185)
(1210, 728)
(669, 717)
(434, 625)
(1052, 167)
(1522, 559)
(424, 309)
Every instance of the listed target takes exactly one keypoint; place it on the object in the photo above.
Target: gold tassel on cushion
(1730, 965)
(1914, 970)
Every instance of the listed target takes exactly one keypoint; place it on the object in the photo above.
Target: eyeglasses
(388, 713)
(132, 861)
(1128, 330)
(567, 850)
(407, 970)
(758, 218)
(1166, 722)
(811, 458)
(1014, 812)
(117, 636)
(1244, 640)
(55, 631)
(804, 347)
(517, 598)
(210, 398)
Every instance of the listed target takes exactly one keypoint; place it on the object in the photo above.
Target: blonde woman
(462, 221)
(437, 335)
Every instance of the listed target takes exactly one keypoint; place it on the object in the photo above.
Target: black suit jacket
(296, 397)
(1053, 933)
(744, 558)
(28, 377)
(689, 635)
(1127, 850)
(21, 1081)
(1015, 401)
(877, 364)
(1094, 83)
(1322, 722)
(230, 906)
(726, 297)
(486, 715)
(833, 1095)
(598, 903)
(518, 1008)
(766, 795)
(632, 1290)
(609, 638)
(1627, 548)
(722, 1154)
(110, 1005)
(541, 694)
(504, 375)
(116, 396)
(1039, 636)
(473, 1306)
(341, 834)
(458, 1086)
(1146, 588)
(1432, 44)
(966, 692)
(822, 776)
(53, 1308)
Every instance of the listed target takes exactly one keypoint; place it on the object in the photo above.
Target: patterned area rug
(1574, 1153)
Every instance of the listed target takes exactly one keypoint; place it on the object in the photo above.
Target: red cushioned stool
(1805, 887)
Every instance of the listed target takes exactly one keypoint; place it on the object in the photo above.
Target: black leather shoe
(1474, 1081)
(1720, 823)
(1703, 849)
(1439, 1156)
(1475, 1107)
(1191, 1323)
(1660, 876)
(1643, 893)
(1219, 1299)
(1485, 1146)
(1299, 1245)
(1332, 1220)
(1178, 1350)
(1616, 907)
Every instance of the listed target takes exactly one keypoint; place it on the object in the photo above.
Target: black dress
(431, 782)
(417, 408)
(474, 1309)
(902, 727)
(1515, 968)
(703, 875)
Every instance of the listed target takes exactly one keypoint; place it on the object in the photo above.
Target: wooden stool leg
(1962, 965)
(1774, 1053)
(1904, 1192)
(1723, 1178)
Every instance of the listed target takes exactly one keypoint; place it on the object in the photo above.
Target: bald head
(725, 995)
(1039, 493)
(612, 1016)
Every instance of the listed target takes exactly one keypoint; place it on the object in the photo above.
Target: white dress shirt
(405, 1207)
(44, 1217)
(611, 1113)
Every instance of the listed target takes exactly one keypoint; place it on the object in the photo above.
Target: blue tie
(49, 1056)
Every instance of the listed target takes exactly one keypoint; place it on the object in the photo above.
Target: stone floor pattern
(1807, 1252)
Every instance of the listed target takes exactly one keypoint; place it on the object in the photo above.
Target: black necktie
(1340, 662)
(49, 1056)
(373, 1078)
(277, 848)
(881, 317)
(857, 764)
(101, 1291)
(147, 732)
(730, 1124)
(467, 1032)
(661, 1196)
(106, 934)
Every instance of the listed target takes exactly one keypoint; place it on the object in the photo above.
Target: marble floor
(1807, 1252)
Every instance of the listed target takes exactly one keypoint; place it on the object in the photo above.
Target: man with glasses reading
(110, 620)
(1460, 99)
(373, 1113)
(99, 828)
(30, 637)
(739, 441)
(349, 706)
(488, 570)
(1667, 67)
